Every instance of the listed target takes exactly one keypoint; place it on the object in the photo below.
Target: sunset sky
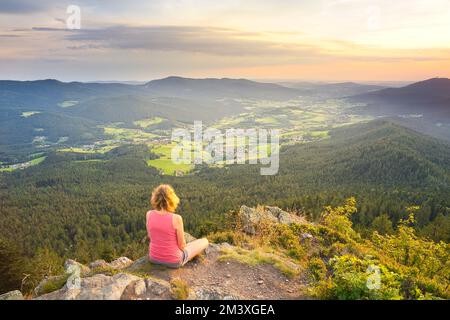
(334, 40)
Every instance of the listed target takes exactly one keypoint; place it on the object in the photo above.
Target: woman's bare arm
(178, 225)
(147, 216)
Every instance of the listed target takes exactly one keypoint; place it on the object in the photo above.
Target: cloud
(23, 6)
(85, 47)
(233, 43)
(209, 40)
(229, 43)
(47, 29)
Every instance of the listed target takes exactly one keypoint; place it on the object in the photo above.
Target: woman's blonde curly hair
(164, 197)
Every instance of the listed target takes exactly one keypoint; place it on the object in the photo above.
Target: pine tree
(12, 267)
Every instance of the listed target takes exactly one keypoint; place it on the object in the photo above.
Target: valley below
(78, 163)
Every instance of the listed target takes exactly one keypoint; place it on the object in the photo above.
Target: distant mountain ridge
(49, 92)
(224, 87)
(429, 96)
(214, 96)
(76, 111)
(423, 106)
(333, 90)
(379, 152)
(435, 88)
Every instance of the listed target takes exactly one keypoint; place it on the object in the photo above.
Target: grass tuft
(258, 256)
(180, 289)
(53, 284)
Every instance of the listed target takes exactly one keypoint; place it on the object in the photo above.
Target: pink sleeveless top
(163, 238)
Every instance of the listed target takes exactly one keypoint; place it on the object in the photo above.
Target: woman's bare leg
(196, 247)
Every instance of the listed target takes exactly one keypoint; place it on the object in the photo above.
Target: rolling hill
(177, 98)
(49, 94)
(332, 90)
(129, 108)
(431, 98)
(379, 152)
(219, 89)
(422, 106)
(74, 110)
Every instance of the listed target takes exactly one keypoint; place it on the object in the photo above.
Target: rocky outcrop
(140, 264)
(72, 265)
(99, 264)
(12, 295)
(147, 289)
(138, 280)
(118, 264)
(188, 237)
(96, 287)
(90, 286)
(251, 218)
(47, 282)
(212, 294)
(213, 276)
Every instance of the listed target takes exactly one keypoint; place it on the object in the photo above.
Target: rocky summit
(267, 254)
(215, 275)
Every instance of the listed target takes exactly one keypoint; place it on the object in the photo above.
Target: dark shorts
(183, 261)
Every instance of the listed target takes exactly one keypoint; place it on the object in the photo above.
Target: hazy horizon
(262, 80)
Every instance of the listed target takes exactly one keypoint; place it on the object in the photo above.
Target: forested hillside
(93, 206)
(423, 106)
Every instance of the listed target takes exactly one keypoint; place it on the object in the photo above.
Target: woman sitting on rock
(166, 232)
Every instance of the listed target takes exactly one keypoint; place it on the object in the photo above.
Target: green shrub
(317, 269)
(229, 236)
(283, 236)
(338, 218)
(260, 256)
(350, 277)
